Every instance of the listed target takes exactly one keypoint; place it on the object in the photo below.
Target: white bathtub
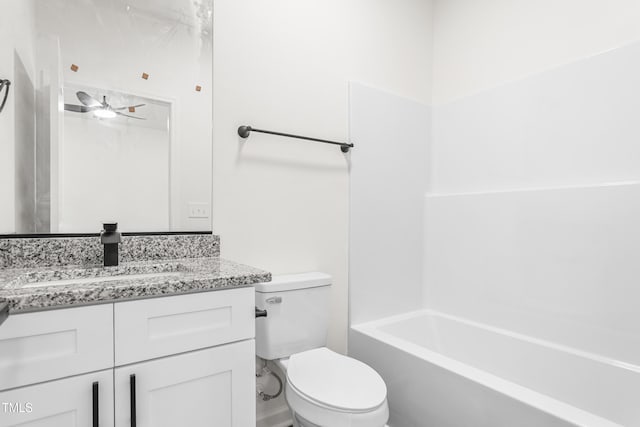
(446, 371)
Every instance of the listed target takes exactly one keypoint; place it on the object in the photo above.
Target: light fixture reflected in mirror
(105, 113)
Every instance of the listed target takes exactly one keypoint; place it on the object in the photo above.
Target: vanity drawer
(47, 345)
(151, 328)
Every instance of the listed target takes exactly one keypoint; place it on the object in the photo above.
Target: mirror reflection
(109, 115)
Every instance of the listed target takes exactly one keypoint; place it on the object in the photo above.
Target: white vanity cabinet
(204, 383)
(211, 387)
(151, 328)
(185, 360)
(47, 345)
(80, 401)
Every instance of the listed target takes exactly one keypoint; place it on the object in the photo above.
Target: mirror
(109, 116)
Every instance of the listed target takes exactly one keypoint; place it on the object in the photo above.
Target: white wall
(481, 44)
(282, 204)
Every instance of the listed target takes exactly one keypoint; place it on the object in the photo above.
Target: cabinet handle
(96, 415)
(132, 391)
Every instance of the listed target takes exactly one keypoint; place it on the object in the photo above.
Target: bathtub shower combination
(500, 285)
(518, 331)
(434, 362)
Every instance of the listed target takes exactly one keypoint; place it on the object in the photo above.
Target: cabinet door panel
(212, 387)
(61, 403)
(46, 345)
(157, 327)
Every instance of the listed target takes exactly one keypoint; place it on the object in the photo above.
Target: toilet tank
(297, 314)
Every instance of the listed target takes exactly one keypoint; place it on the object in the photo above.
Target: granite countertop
(173, 277)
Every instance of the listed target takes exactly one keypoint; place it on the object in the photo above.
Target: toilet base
(298, 421)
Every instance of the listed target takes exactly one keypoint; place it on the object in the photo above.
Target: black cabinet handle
(260, 313)
(132, 391)
(96, 415)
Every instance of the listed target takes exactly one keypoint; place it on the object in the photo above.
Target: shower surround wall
(572, 125)
(529, 213)
(388, 181)
(541, 209)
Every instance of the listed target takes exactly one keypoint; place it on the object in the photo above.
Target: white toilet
(323, 388)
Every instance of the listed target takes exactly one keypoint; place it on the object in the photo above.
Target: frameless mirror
(109, 116)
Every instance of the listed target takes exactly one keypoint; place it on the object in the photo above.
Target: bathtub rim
(532, 398)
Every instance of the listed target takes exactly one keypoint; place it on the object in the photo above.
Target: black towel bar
(245, 131)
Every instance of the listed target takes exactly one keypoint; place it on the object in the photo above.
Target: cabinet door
(214, 387)
(70, 402)
(157, 327)
(53, 344)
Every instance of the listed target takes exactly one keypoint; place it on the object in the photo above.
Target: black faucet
(110, 238)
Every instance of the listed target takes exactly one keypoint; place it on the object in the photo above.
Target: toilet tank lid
(290, 282)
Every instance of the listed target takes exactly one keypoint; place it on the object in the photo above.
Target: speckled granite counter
(35, 274)
(176, 277)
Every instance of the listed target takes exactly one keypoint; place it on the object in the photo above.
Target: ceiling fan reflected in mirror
(101, 110)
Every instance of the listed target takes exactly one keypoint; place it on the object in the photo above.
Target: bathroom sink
(94, 280)
(93, 275)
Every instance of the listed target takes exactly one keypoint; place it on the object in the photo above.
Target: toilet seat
(335, 381)
(314, 415)
(301, 396)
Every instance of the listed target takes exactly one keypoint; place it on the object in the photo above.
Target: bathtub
(446, 371)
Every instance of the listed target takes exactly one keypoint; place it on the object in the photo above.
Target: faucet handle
(110, 227)
(110, 234)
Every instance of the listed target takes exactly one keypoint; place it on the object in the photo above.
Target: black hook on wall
(4, 85)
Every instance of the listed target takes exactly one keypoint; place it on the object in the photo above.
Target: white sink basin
(103, 279)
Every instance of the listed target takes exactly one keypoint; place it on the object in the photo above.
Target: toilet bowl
(322, 388)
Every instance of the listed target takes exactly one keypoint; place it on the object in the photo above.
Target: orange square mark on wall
(145, 76)
(74, 68)
(198, 88)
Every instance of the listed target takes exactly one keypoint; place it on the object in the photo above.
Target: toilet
(322, 388)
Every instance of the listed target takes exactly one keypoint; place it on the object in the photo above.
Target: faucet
(110, 237)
